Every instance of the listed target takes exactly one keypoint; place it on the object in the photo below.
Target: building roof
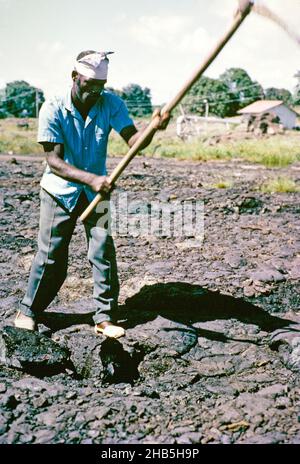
(261, 106)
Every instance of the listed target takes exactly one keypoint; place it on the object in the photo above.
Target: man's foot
(109, 330)
(24, 322)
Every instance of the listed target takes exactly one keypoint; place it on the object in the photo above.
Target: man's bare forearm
(137, 135)
(158, 123)
(67, 171)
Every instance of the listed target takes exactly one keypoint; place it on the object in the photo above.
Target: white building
(278, 108)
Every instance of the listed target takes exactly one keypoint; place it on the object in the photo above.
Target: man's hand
(160, 121)
(100, 184)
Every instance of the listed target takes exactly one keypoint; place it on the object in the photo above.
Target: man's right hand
(100, 184)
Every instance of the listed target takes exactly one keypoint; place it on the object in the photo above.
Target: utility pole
(206, 108)
(36, 103)
(181, 110)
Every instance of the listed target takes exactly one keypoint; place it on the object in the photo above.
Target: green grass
(17, 140)
(274, 151)
(280, 185)
(278, 151)
(223, 184)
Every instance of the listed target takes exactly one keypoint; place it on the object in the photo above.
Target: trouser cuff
(98, 318)
(26, 311)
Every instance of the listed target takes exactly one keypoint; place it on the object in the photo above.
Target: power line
(195, 100)
(214, 94)
(231, 101)
(138, 100)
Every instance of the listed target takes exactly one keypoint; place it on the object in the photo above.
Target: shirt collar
(68, 101)
(69, 105)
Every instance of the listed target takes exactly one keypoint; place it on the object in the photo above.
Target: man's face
(87, 90)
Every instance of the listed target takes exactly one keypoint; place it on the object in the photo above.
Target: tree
(242, 89)
(233, 90)
(3, 111)
(279, 94)
(20, 97)
(208, 91)
(296, 96)
(137, 99)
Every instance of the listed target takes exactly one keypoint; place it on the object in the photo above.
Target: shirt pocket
(101, 139)
(99, 135)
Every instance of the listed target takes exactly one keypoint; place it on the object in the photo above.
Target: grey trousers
(49, 268)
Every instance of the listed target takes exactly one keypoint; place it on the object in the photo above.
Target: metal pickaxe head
(262, 10)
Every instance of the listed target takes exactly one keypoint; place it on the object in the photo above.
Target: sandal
(24, 322)
(109, 330)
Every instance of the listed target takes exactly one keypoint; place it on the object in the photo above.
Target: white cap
(94, 65)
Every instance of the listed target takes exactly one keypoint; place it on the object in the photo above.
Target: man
(74, 130)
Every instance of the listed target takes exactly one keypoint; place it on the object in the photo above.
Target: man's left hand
(160, 121)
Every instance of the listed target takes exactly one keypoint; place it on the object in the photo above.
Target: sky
(157, 43)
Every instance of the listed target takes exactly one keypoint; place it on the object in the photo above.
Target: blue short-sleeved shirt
(85, 142)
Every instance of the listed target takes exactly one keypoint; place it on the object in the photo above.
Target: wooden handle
(151, 128)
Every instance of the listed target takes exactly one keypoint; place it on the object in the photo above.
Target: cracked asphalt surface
(212, 346)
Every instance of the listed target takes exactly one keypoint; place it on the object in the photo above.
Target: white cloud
(49, 52)
(222, 9)
(195, 41)
(158, 31)
(55, 64)
(166, 44)
(259, 46)
(50, 48)
(54, 57)
(120, 18)
(174, 32)
(263, 49)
